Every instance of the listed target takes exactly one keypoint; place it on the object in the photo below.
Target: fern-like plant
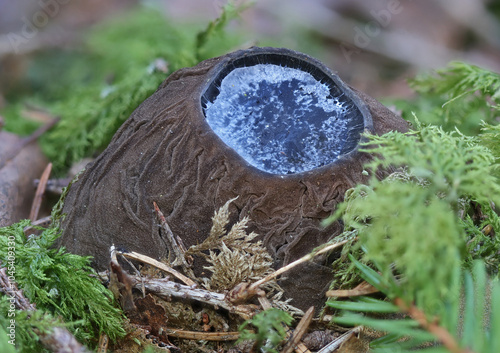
(270, 328)
(234, 256)
(428, 234)
(460, 95)
(60, 285)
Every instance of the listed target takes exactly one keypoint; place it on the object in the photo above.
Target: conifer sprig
(60, 284)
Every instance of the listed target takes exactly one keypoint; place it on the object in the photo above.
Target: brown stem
(440, 332)
(291, 265)
(175, 247)
(40, 190)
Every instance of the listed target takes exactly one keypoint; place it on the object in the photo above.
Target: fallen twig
(160, 265)
(334, 345)
(40, 190)
(207, 336)
(174, 246)
(294, 341)
(44, 222)
(26, 141)
(254, 287)
(102, 346)
(364, 288)
(167, 289)
(431, 326)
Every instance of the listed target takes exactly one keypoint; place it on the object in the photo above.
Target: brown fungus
(272, 126)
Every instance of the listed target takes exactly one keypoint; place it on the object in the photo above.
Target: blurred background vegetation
(91, 63)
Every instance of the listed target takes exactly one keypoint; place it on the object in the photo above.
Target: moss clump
(59, 284)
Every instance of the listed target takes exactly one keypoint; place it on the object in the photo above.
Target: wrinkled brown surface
(165, 152)
(19, 166)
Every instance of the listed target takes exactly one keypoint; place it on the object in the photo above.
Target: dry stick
(138, 273)
(300, 330)
(10, 289)
(166, 288)
(44, 222)
(440, 332)
(40, 190)
(256, 285)
(172, 242)
(335, 344)
(207, 336)
(152, 262)
(102, 346)
(59, 339)
(299, 346)
(364, 288)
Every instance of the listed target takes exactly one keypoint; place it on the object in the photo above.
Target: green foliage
(414, 215)
(428, 235)
(271, 329)
(472, 321)
(344, 275)
(5, 346)
(461, 80)
(216, 29)
(480, 223)
(460, 95)
(27, 340)
(490, 137)
(449, 163)
(122, 62)
(60, 284)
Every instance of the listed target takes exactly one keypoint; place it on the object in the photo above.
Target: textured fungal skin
(167, 153)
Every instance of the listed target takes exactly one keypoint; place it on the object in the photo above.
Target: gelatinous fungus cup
(272, 126)
(283, 115)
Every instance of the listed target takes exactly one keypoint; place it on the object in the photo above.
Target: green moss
(101, 83)
(429, 234)
(460, 95)
(59, 284)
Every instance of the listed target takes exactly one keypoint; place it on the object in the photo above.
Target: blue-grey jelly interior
(281, 120)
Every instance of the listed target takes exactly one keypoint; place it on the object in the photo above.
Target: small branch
(364, 288)
(10, 289)
(291, 265)
(102, 346)
(298, 346)
(166, 288)
(207, 336)
(244, 291)
(152, 262)
(334, 345)
(44, 222)
(40, 190)
(294, 342)
(174, 246)
(60, 340)
(440, 332)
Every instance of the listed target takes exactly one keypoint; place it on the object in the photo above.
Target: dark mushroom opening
(282, 114)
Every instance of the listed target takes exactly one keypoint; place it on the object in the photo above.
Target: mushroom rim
(276, 56)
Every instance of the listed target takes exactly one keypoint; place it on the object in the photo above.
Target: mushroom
(272, 126)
